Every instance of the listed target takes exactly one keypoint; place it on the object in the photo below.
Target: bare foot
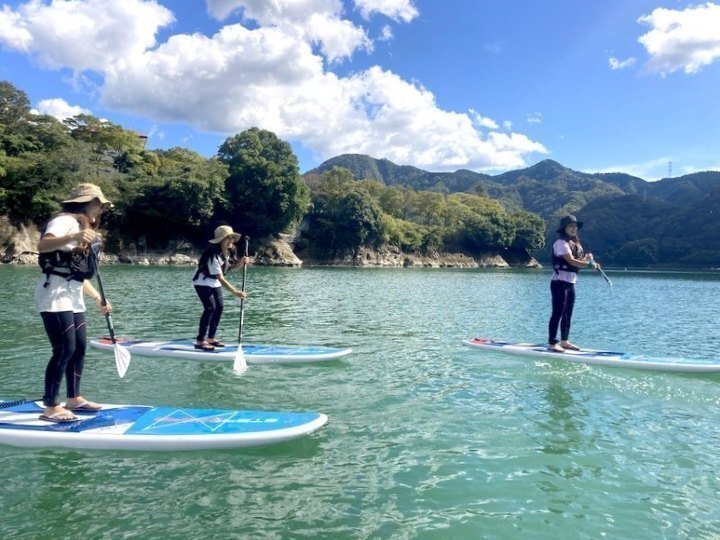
(569, 346)
(555, 348)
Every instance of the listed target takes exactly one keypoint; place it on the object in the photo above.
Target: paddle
(604, 275)
(239, 363)
(602, 272)
(122, 355)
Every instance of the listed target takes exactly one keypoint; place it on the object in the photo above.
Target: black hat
(567, 220)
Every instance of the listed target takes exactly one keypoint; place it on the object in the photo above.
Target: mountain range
(628, 220)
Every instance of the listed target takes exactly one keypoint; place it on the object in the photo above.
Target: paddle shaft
(103, 300)
(242, 300)
(604, 275)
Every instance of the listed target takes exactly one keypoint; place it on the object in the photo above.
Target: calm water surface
(426, 439)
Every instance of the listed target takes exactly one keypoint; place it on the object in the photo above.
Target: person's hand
(240, 294)
(242, 261)
(86, 235)
(104, 309)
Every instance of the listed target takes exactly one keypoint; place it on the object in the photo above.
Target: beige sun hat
(222, 232)
(85, 193)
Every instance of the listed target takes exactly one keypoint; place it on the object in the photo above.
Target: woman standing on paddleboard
(568, 258)
(65, 256)
(209, 277)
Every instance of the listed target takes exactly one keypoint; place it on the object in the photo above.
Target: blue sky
(491, 86)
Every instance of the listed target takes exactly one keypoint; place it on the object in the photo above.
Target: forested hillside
(630, 221)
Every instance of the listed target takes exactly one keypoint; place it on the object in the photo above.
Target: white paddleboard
(137, 427)
(254, 354)
(595, 357)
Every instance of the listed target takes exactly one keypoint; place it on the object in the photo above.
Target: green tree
(529, 231)
(344, 216)
(14, 106)
(639, 253)
(179, 202)
(111, 146)
(265, 194)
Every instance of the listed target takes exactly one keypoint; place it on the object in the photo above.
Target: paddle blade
(122, 359)
(239, 363)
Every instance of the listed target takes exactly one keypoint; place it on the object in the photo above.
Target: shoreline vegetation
(17, 246)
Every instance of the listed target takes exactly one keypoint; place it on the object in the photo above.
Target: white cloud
(222, 9)
(317, 21)
(482, 121)
(59, 108)
(400, 10)
(386, 34)
(616, 64)
(651, 170)
(13, 31)
(534, 118)
(155, 133)
(686, 39)
(86, 34)
(271, 77)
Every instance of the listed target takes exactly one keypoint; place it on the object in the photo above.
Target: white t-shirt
(562, 247)
(215, 266)
(60, 294)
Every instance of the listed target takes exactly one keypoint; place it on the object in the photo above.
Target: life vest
(78, 264)
(559, 263)
(203, 263)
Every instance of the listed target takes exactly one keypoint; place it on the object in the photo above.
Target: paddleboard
(604, 358)
(254, 354)
(137, 427)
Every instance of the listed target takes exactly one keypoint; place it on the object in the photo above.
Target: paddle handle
(242, 300)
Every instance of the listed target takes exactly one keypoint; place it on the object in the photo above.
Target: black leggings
(212, 301)
(67, 332)
(563, 302)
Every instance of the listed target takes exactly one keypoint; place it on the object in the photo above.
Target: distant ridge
(628, 217)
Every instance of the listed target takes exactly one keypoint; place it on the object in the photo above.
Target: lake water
(426, 438)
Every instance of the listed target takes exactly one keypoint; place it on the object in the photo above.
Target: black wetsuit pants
(212, 301)
(563, 302)
(67, 332)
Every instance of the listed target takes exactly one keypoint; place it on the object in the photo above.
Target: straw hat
(222, 232)
(86, 193)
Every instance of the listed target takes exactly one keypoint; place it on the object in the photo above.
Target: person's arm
(50, 242)
(586, 262)
(95, 295)
(229, 286)
(242, 261)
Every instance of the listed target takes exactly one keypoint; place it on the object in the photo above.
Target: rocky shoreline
(18, 244)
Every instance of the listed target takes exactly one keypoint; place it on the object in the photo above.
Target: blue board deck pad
(173, 421)
(138, 427)
(599, 357)
(253, 353)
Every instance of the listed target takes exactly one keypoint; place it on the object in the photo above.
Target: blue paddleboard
(604, 358)
(137, 427)
(254, 354)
